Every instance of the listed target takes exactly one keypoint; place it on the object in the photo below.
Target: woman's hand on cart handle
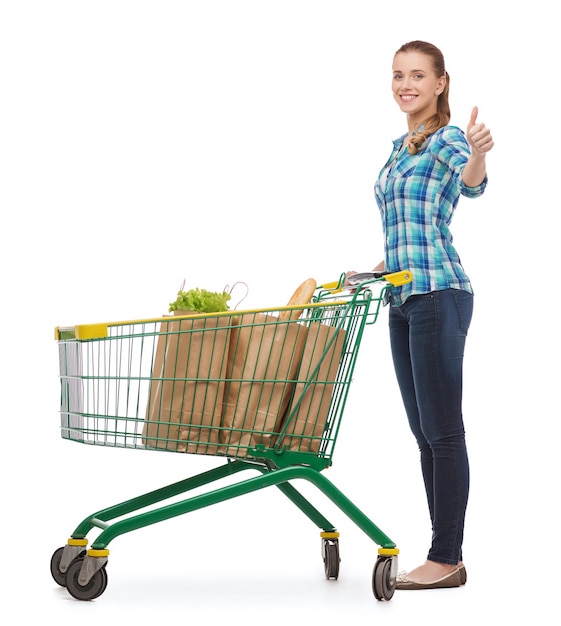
(378, 272)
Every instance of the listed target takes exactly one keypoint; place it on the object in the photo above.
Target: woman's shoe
(463, 574)
(453, 579)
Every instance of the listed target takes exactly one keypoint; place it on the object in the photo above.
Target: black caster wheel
(93, 589)
(383, 585)
(59, 577)
(331, 558)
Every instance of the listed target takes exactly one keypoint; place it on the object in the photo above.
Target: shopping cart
(264, 389)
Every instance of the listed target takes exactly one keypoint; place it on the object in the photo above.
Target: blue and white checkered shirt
(417, 196)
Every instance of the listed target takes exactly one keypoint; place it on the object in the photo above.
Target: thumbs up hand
(478, 135)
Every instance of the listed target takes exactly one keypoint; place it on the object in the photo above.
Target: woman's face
(415, 86)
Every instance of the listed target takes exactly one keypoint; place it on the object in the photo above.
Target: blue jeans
(427, 335)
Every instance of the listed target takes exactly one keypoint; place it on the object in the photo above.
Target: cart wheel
(92, 590)
(331, 558)
(382, 584)
(59, 577)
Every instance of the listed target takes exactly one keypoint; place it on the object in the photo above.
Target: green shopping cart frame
(265, 390)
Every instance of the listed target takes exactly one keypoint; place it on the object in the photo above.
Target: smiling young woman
(417, 191)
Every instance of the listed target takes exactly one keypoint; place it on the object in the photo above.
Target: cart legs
(84, 574)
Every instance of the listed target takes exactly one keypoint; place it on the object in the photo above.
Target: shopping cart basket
(264, 389)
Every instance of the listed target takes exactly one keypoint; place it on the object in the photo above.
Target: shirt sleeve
(451, 148)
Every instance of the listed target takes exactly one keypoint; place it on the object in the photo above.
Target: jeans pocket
(464, 306)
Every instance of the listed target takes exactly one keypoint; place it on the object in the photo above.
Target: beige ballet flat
(453, 579)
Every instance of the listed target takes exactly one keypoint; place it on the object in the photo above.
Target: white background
(145, 143)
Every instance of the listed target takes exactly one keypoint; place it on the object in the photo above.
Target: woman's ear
(441, 85)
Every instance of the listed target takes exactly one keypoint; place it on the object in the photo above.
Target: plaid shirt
(417, 196)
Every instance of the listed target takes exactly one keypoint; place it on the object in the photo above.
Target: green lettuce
(201, 301)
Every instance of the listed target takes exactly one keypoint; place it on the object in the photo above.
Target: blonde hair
(442, 115)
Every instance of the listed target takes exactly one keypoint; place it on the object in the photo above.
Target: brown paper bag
(306, 426)
(263, 361)
(184, 415)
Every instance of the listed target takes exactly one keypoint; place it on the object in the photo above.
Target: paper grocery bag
(263, 360)
(187, 387)
(320, 363)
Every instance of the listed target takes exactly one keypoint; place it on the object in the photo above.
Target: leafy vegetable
(200, 300)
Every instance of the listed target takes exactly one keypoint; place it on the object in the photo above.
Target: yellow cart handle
(397, 279)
